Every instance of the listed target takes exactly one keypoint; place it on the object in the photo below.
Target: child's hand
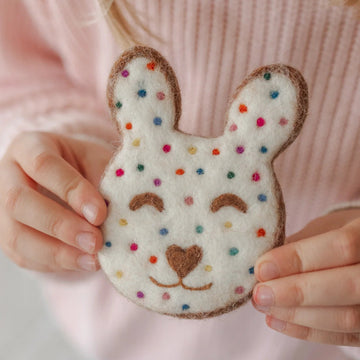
(55, 233)
(316, 292)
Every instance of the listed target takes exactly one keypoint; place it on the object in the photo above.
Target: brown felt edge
(302, 109)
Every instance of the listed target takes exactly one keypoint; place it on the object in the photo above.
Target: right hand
(52, 233)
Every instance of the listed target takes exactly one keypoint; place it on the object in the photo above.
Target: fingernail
(90, 212)
(264, 309)
(86, 241)
(264, 296)
(86, 262)
(268, 271)
(277, 324)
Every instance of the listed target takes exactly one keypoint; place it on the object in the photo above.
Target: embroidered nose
(183, 261)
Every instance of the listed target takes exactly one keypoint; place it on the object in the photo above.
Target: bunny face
(189, 216)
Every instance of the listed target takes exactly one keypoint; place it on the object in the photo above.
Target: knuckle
(347, 242)
(349, 320)
(297, 261)
(291, 315)
(304, 332)
(12, 196)
(72, 186)
(20, 261)
(55, 226)
(299, 297)
(42, 160)
(56, 258)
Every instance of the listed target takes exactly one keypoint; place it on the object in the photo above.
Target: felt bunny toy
(188, 216)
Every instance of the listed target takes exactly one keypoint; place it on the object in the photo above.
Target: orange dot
(216, 152)
(261, 232)
(151, 66)
(128, 126)
(153, 259)
(180, 172)
(242, 108)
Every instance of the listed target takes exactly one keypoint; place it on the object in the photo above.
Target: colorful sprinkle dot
(133, 247)
(263, 149)
(208, 268)
(262, 197)
(125, 73)
(142, 93)
(267, 76)
(136, 142)
(251, 270)
(199, 229)
(119, 274)
(260, 122)
(283, 121)
(140, 294)
(243, 108)
(157, 121)
(200, 171)
(192, 150)
(118, 104)
(239, 290)
(180, 172)
(166, 296)
(128, 126)
(151, 66)
(274, 94)
(140, 167)
(240, 149)
(230, 175)
(189, 200)
(164, 231)
(157, 182)
(153, 259)
(228, 224)
(166, 148)
(261, 232)
(108, 244)
(160, 95)
(120, 172)
(123, 222)
(256, 176)
(216, 152)
(233, 127)
(185, 307)
(233, 251)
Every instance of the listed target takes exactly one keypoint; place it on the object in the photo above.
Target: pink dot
(283, 121)
(125, 73)
(166, 148)
(157, 182)
(260, 122)
(160, 95)
(140, 295)
(133, 247)
(240, 149)
(256, 176)
(239, 290)
(166, 296)
(120, 172)
(233, 127)
(189, 200)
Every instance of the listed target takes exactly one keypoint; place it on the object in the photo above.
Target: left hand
(312, 289)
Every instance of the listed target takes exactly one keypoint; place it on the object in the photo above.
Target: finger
(333, 287)
(313, 335)
(339, 318)
(45, 215)
(40, 157)
(332, 249)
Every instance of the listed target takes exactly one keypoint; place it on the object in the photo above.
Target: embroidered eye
(146, 199)
(228, 200)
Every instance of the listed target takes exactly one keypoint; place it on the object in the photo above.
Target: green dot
(141, 167)
(233, 251)
(199, 229)
(230, 175)
(267, 76)
(118, 104)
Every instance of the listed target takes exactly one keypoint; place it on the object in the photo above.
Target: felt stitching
(228, 200)
(146, 199)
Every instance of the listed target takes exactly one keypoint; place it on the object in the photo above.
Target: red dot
(189, 200)
(160, 95)
(256, 176)
(216, 152)
(128, 125)
(133, 247)
(242, 108)
(166, 296)
(239, 290)
(261, 232)
(233, 127)
(120, 172)
(151, 66)
(180, 172)
(260, 122)
(153, 259)
(166, 148)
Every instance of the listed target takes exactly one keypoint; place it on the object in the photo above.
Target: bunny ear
(143, 91)
(268, 110)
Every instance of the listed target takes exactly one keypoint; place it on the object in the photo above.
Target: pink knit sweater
(54, 60)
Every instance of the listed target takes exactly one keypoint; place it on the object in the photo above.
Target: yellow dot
(123, 222)
(208, 268)
(119, 274)
(136, 142)
(192, 150)
(228, 224)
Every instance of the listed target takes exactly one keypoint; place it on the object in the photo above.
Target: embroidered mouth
(180, 283)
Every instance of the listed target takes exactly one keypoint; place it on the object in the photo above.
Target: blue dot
(233, 251)
(157, 121)
(118, 104)
(199, 229)
(185, 307)
(264, 149)
(142, 93)
(274, 94)
(267, 76)
(108, 244)
(262, 197)
(200, 171)
(164, 231)
(251, 270)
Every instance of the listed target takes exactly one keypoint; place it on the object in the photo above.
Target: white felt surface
(143, 225)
